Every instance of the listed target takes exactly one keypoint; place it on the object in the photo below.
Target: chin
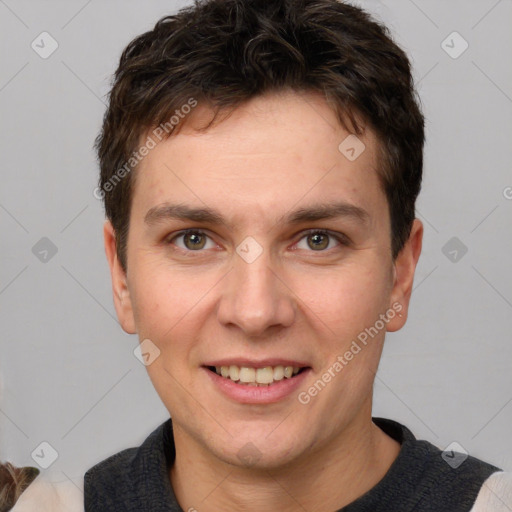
(248, 456)
(257, 447)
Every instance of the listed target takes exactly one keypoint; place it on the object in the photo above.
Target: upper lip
(256, 363)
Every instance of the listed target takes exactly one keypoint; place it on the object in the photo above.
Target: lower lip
(246, 394)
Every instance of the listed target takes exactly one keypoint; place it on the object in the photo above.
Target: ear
(404, 268)
(120, 290)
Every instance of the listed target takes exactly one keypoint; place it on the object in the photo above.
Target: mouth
(266, 376)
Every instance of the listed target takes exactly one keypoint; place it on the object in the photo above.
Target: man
(260, 163)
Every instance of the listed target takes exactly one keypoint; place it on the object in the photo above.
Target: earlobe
(404, 269)
(120, 289)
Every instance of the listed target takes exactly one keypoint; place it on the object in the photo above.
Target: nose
(256, 298)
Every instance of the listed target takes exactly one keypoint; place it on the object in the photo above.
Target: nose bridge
(256, 298)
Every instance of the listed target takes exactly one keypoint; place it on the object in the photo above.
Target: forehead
(272, 153)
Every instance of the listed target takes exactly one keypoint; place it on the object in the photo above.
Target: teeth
(265, 375)
(247, 374)
(234, 372)
(256, 376)
(278, 373)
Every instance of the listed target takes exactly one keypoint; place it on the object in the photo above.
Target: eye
(320, 240)
(193, 240)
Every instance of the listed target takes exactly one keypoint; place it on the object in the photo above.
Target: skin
(273, 155)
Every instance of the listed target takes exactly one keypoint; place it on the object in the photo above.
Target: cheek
(164, 307)
(345, 299)
(351, 306)
(161, 297)
(169, 310)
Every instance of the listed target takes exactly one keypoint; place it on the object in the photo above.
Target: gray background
(69, 375)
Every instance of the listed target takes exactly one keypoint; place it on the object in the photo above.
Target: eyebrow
(168, 211)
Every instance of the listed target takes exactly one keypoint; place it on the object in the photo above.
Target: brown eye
(192, 240)
(318, 241)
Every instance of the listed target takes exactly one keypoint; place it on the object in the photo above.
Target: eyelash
(339, 237)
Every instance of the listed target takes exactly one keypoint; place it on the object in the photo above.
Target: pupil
(195, 240)
(317, 238)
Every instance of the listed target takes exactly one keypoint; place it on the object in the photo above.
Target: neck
(328, 479)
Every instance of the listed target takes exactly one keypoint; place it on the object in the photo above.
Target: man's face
(262, 288)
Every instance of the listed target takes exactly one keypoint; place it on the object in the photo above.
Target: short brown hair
(225, 52)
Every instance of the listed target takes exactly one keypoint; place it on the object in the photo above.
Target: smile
(251, 376)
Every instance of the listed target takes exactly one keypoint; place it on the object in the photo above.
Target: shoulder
(495, 494)
(454, 480)
(110, 474)
(117, 465)
(114, 465)
(430, 478)
(45, 496)
(131, 473)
